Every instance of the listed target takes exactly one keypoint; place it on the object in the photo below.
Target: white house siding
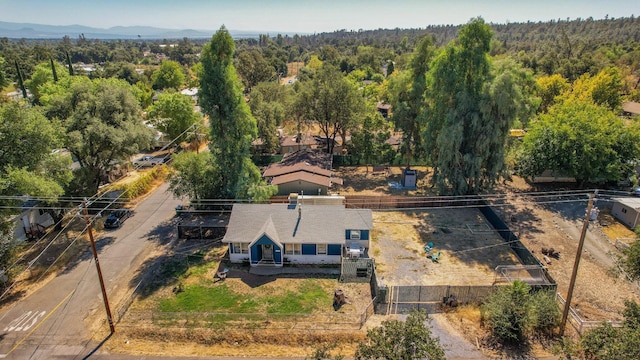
(627, 214)
(312, 259)
(239, 258)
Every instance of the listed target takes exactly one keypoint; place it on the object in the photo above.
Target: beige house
(627, 210)
(304, 171)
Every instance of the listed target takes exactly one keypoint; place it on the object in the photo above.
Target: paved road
(55, 321)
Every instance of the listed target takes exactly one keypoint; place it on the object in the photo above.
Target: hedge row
(143, 184)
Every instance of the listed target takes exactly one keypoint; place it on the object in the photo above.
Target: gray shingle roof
(318, 224)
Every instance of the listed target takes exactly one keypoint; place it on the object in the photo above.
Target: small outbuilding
(627, 210)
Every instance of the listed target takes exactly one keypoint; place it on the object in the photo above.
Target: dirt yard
(469, 249)
(600, 290)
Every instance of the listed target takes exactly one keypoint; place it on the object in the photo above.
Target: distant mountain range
(39, 31)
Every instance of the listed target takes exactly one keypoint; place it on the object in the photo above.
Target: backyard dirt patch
(469, 249)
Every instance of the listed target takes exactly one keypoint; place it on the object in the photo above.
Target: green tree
(4, 81)
(399, 340)
(268, 115)
(195, 176)
(122, 70)
(27, 165)
(369, 141)
(470, 114)
(42, 75)
(104, 125)
(168, 76)
(173, 114)
(549, 88)
(407, 96)
(581, 140)
(603, 89)
(331, 102)
(253, 68)
(232, 125)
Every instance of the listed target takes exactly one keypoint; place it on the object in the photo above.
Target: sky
(302, 16)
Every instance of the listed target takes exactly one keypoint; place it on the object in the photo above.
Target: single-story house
(627, 210)
(302, 182)
(33, 222)
(297, 233)
(302, 172)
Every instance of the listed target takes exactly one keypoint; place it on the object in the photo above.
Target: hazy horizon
(301, 16)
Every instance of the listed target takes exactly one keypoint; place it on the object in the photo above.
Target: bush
(545, 314)
(143, 184)
(411, 339)
(507, 312)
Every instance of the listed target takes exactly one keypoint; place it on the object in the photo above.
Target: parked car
(636, 191)
(116, 218)
(149, 161)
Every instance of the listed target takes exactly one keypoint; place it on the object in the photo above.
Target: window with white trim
(293, 249)
(355, 235)
(321, 249)
(240, 248)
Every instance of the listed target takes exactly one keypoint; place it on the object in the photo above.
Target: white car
(149, 161)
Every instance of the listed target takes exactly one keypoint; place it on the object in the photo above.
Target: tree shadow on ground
(101, 244)
(168, 268)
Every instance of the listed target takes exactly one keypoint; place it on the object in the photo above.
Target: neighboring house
(293, 143)
(192, 92)
(631, 108)
(384, 109)
(297, 233)
(302, 172)
(627, 210)
(33, 222)
(303, 182)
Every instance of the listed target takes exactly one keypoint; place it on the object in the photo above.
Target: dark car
(116, 218)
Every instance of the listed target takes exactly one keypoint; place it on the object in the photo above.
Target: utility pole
(576, 263)
(95, 257)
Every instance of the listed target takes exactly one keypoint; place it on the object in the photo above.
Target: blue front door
(265, 251)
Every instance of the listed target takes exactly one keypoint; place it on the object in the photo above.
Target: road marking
(22, 322)
(37, 326)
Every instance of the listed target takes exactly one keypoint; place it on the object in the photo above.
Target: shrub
(507, 312)
(545, 314)
(395, 339)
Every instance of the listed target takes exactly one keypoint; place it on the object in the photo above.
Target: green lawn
(302, 298)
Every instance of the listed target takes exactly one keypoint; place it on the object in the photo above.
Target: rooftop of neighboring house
(295, 224)
(278, 169)
(322, 180)
(313, 157)
(631, 107)
(300, 139)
